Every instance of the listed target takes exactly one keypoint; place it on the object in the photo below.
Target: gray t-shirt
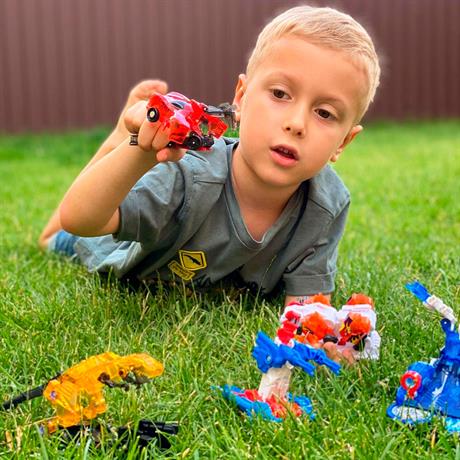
(183, 219)
(222, 244)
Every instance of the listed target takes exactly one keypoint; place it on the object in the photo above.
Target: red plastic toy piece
(192, 125)
(289, 328)
(411, 382)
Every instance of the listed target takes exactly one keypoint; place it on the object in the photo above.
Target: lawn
(404, 224)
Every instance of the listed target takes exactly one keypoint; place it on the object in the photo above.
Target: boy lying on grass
(265, 208)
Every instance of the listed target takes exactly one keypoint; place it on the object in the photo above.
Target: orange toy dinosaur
(77, 394)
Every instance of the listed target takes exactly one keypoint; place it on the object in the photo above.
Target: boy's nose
(295, 124)
(296, 131)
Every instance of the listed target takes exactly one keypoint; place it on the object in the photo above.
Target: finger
(135, 116)
(170, 154)
(148, 139)
(144, 89)
(152, 86)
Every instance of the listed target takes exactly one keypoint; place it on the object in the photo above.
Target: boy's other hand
(144, 89)
(152, 137)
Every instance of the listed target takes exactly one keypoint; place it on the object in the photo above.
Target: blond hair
(326, 27)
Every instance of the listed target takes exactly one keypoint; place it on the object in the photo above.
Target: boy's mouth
(286, 152)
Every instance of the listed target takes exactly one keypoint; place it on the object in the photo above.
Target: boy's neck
(260, 204)
(253, 191)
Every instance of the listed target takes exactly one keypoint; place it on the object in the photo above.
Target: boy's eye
(324, 114)
(279, 93)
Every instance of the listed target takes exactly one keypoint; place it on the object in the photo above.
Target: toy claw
(419, 290)
(295, 357)
(267, 354)
(318, 356)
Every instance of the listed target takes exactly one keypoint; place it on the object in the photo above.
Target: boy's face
(297, 112)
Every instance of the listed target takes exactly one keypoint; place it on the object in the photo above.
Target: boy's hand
(152, 137)
(141, 92)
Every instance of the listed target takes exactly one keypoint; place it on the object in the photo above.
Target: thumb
(135, 116)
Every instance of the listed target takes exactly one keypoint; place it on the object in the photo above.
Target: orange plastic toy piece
(77, 394)
(314, 328)
(318, 298)
(354, 329)
(360, 299)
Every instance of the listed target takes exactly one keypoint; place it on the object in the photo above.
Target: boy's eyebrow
(334, 101)
(327, 99)
(283, 75)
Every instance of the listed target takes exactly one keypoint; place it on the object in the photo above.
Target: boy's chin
(282, 186)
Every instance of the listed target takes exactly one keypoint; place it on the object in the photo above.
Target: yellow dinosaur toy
(77, 394)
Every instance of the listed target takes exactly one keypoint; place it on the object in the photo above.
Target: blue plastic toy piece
(419, 290)
(260, 408)
(268, 354)
(250, 408)
(313, 354)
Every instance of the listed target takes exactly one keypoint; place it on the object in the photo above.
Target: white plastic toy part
(276, 382)
(326, 311)
(372, 342)
(436, 304)
(363, 309)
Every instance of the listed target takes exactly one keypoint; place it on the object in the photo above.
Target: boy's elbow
(72, 222)
(82, 224)
(68, 221)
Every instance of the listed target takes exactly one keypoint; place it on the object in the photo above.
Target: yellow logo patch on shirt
(180, 271)
(192, 260)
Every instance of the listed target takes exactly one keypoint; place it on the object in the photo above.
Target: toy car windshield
(192, 125)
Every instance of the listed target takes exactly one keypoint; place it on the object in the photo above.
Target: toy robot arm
(436, 304)
(430, 301)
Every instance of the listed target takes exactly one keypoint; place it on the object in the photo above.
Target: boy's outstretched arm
(90, 207)
(140, 92)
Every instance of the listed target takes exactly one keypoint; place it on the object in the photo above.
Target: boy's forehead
(292, 49)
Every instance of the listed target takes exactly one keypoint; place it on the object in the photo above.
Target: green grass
(404, 224)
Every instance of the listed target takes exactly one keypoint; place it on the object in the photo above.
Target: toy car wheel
(193, 142)
(153, 114)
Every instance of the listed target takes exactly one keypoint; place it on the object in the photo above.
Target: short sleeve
(150, 207)
(316, 270)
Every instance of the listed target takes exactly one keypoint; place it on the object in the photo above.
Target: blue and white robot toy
(432, 389)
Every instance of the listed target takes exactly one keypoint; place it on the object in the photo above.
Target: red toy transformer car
(192, 124)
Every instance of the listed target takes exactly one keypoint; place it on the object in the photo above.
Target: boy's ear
(348, 138)
(240, 90)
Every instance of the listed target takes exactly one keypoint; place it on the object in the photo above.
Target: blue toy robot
(432, 389)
